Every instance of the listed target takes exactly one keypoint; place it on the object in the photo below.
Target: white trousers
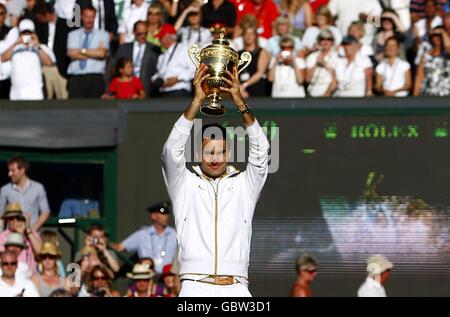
(198, 289)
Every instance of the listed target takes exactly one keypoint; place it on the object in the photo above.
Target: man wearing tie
(88, 50)
(143, 54)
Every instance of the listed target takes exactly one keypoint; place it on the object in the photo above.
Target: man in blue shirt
(88, 50)
(158, 241)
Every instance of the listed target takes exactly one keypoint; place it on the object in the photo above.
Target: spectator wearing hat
(379, 270)
(88, 49)
(10, 286)
(393, 75)
(158, 241)
(16, 223)
(48, 279)
(30, 194)
(174, 69)
(143, 282)
(27, 56)
(15, 243)
(321, 65)
(287, 71)
(306, 267)
(219, 12)
(168, 279)
(324, 21)
(354, 71)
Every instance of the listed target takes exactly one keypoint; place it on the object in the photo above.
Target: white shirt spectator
(371, 288)
(51, 35)
(27, 286)
(238, 43)
(5, 44)
(175, 62)
(23, 271)
(202, 36)
(351, 78)
(285, 83)
(393, 75)
(130, 16)
(321, 78)
(26, 73)
(421, 25)
(311, 34)
(64, 9)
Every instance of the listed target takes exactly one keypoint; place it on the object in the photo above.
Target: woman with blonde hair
(300, 13)
(155, 23)
(48, 279)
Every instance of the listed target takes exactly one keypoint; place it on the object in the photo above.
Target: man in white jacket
(214, 205)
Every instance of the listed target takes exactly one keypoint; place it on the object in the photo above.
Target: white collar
(25, 188)
(231, 170)
(374, 283)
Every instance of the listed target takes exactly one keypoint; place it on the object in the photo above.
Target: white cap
(26, 25)
(377, 264)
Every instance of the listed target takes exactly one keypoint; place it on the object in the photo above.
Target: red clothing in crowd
(266, 14)
(125, 90)
(316, 4)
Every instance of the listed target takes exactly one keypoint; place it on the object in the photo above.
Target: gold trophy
(219, 57)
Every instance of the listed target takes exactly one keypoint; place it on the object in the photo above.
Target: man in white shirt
(9, 285)
(27, 57)
(137, 11)
(378, 268)
(174, 70)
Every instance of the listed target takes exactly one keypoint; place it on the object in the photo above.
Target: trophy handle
(194, 54)
(245, 60)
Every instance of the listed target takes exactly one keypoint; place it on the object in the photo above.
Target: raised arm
(173, 160)
(258, 159)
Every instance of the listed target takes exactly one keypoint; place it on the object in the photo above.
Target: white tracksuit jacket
(213, 218)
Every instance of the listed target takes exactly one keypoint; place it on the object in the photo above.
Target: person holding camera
(286, 71)
(320, 66)
(27, 57)
(96, 239)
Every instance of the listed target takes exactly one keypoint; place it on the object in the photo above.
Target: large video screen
(348, 187)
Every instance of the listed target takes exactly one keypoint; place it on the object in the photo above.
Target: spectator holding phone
(99, 284)
(27, 57)
(286, 71)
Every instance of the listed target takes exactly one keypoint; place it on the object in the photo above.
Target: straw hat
(141, 272)
(13, 210)
(15, 239)
(50, 248)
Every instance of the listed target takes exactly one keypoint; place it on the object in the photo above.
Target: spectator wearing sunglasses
(306, 273)
(137, 11)
(10, 286)
(99, 284)
(48, 278)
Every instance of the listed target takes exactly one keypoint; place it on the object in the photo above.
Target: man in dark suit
(144, 56)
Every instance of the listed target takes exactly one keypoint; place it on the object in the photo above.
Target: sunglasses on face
(48, 257)
(287, 47)
(99, 278)
(9, 263)
(311, 271)
(154, 13)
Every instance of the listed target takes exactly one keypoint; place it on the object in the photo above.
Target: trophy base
(214, 108)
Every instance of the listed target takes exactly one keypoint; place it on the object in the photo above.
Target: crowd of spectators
(318, 48)
(32, 261)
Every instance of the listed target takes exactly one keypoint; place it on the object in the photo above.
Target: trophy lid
(221, 40)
